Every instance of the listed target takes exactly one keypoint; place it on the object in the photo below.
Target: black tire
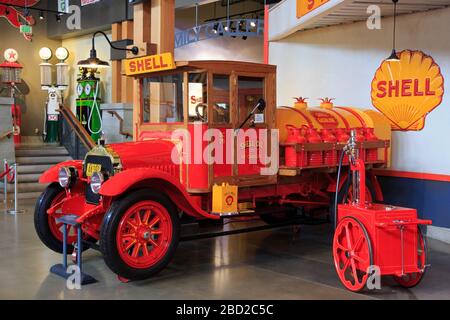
(108, 242)
(41, 221)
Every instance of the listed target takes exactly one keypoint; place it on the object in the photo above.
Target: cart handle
(403, 223)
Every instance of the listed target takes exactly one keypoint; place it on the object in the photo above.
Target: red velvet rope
(8, 173)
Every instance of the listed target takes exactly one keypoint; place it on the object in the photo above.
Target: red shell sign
(406, 91)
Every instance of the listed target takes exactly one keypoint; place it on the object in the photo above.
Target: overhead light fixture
(394, 56)
(95, 63)
(227, 27)
(41, 15)
(243, 28)
(233, 29)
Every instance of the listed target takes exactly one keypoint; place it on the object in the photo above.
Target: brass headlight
(97, 180)
(64, 177)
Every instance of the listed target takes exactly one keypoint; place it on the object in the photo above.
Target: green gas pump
(88, 102)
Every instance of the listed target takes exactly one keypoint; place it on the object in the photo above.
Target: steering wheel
(202, 116)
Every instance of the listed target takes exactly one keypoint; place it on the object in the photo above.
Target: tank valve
(350, 147)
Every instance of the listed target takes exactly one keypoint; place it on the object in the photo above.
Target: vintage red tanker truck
(129, 196)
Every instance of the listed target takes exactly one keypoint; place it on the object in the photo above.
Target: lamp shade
(93, 63)
(393, 57)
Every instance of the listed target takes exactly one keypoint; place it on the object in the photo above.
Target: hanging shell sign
(406, 91)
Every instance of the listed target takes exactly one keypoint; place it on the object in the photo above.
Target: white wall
(340, 62)
(79, 49)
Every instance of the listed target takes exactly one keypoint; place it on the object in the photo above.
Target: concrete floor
(263, 265)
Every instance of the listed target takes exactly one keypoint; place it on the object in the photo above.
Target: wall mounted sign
(63, 6)
(26, 29)
(236, 28)
(306, 6)
(148, 64)
(16, 17)
(407, 90)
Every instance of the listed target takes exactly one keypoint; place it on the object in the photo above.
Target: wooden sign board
(148, 64)
(406, 91)
(306, 6)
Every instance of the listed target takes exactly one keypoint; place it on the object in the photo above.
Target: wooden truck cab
(202, 95)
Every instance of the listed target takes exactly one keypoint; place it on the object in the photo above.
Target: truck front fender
(51, 175)
(138, 178)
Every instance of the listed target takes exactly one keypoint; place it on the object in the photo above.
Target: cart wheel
(139, 235)
(352, 252)
(413, 279)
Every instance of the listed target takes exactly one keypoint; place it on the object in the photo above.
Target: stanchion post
(5, 182)
(15, 187)
(16, 192)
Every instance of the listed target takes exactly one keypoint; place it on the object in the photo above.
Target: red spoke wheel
(140, 234)
(413, 279)
(48, 229)
(352, 253)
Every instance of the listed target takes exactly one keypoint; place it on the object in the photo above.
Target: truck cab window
(250, 90)
(162, 99)
(221, 103)
(198, 96)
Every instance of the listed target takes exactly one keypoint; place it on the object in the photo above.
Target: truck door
(253, 136)
(221, 119)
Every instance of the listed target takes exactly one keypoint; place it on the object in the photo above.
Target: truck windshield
(162, 99)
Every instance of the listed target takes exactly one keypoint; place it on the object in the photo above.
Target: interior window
(198, 99)
(250, 90)
(162, 99)
(221, 103)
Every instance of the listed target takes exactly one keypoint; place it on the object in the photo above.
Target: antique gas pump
(10, 76)
(374, 240)
(55, 97)
(88, 102)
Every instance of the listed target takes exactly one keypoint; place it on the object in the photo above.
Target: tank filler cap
(327, 103)
(301, 103)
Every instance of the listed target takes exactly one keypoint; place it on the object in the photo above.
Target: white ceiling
(284, 22)
(356, 10)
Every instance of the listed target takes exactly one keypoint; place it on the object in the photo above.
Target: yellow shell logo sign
(406, 91)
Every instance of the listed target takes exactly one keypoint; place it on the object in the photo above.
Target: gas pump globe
(10, 69)
(55, 99)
